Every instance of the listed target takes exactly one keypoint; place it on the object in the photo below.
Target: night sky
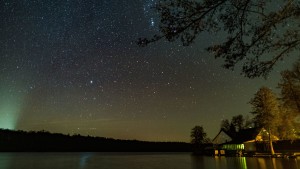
(72, 66)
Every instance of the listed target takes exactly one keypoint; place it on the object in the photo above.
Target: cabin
(246, 141)
(256, 140)
(223, 138)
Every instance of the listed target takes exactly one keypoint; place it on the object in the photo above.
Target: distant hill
(43, 141)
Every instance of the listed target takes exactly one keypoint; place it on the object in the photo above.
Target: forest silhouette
(43, 141)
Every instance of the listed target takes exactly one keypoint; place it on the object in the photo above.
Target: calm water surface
(138, 161)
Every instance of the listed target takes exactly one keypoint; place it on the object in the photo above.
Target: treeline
(43, 141)
(277, 113)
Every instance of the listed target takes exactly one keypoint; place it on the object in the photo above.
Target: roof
(252, 134)
(222, 137)
(245, 135)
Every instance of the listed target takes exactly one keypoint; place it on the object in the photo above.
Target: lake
(138, 161)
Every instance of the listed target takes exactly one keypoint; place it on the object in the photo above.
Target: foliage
(248, 122)
(236, 124)
(198, 136)
(290, 89)
(258, 33)
(238, 121)
(266, 109)
(286, 126)
(225, 124)
(290, 97)
(278, 114)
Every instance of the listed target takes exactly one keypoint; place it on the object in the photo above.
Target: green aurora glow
(10, 108)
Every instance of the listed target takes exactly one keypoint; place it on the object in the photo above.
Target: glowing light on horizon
(10, 108)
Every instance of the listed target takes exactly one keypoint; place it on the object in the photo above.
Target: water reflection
(5, 159)
(220, 162)
(262, 163)
(277, 163)
(290, 163)
(274, 163)
(198, 162)
(244, 163)
(83, 160)
(229, 162)
(139, 161)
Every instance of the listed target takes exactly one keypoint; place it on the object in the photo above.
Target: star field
(74, 67)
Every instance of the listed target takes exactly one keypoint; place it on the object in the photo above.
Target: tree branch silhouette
(258, 34)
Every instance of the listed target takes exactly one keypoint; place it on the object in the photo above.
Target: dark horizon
(43, 141)
(80, 135)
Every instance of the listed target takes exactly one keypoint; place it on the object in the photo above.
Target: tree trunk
(271, 144)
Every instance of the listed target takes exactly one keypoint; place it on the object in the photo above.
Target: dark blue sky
(74, 67)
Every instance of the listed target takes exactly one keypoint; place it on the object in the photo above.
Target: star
(62, 59)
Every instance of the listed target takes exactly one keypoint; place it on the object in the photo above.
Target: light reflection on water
(203, 162)
(139, 161)
(83, 159)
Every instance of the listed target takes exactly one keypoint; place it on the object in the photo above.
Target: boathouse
(246, 141)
